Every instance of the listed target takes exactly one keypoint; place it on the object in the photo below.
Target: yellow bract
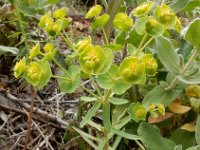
(94, 11)
(142, 9)
(19, 68)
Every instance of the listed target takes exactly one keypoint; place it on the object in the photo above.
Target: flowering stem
(141, 44)
(30, 116)
(105, 36)
(95, 85)
(62, 78)
(89, 91)
(67, 40)
(61, 67)
(145, 45)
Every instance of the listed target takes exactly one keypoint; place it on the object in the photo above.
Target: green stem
(89, 91)
(61, 67)
(21, 23)
(163, 1)
(67, 40)
(140, 145)
(192, 58)
(106, 116)
(106, 41)
(145, 45)
(141, 44)
(58, 77)
(95, 85)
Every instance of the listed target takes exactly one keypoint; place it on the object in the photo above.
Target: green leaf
(197, 133)
(178, 147)
(70, 84)
(159, 95)
(183, 137)
(106, 116)
(88, 99)
(90, 113)
(6, 49)
(111, 80)
(126, 135)
(117, 101)
(53, 1)
(87, 137)
(192, 79)
(140, 25)
(194, 148)
(179, 5)
(118, 112)
(192, 34)
(152, 139)
(167, 54)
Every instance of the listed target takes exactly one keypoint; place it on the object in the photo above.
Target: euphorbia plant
(144, 43)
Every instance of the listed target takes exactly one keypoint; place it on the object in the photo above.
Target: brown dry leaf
(178, 108)
(160, 118)
(80, 26)
(189, 127)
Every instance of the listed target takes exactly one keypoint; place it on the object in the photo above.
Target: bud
(165, 15)
(60, 13)
(161, 109)
(178, 26)
(19, 68)
(122, 22)
(143, 9)
(34, 51)
(150, 64)
(83, 44)
(46, 20)
(48, 47)
(94, 11)
(99, 21)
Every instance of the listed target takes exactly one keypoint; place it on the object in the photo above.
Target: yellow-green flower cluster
(93, 59)
(134, 69)
(163, 18)
(53, 24)
(138, 112)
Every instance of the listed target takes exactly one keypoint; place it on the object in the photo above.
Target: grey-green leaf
(192, 34)
(167, 55)
(126, 135)
(90, 113)
(197, 133)
(6, 49)
(152, 139)
(70, 84)
(117, 101)
(159, 95)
